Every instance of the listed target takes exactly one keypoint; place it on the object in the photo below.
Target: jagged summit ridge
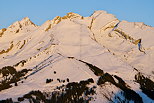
(24, 22)
(50, 23)
(19, 26)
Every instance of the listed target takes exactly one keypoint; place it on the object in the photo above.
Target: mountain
(77, 59)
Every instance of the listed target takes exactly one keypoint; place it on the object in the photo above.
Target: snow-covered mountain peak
(100, 13)
(26, 19)
(72, 15)
(26, 22)
(50, 23)
(69, 15)
(15, 24)
(21, 26)
(92, 59)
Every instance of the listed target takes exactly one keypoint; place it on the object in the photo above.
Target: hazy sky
(40, 11)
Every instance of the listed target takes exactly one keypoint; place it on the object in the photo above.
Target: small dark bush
(90, 80)
(21, 62)
(67, 79)
(58, 80)
(48, 80)
(20, 99)
(16, 84)
(63, 81)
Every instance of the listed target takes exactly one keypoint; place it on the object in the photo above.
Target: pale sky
(40, 11)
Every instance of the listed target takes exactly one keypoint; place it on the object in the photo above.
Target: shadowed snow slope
(74, 48)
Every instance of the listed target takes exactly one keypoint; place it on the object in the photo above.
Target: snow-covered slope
(58, 57)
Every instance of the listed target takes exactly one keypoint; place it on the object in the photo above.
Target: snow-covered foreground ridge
(77, 59)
